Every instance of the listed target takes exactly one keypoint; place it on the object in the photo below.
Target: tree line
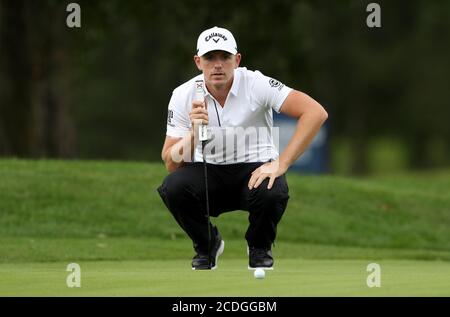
(101, 91)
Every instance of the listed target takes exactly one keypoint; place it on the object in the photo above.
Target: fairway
(292, 277)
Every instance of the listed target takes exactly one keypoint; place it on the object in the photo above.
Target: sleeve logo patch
(275, 84)
(170, 117)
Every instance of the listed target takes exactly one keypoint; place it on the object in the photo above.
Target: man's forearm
(307, 127)
(180, 153)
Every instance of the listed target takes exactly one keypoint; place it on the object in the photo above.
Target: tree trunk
(16, 108)
(357, 131)
(35, 117)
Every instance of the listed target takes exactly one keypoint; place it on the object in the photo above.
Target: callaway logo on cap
(216, 39)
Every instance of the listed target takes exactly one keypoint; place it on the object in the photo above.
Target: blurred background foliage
(101, 91)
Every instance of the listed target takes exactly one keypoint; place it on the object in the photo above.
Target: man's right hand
(198, 116)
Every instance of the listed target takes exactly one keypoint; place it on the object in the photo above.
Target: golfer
(244, 169)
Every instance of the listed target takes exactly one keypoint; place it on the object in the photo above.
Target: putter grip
(200, 96)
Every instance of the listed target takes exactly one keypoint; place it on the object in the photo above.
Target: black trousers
(183, 192)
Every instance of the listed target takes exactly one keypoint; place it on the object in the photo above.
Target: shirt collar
(235, 86)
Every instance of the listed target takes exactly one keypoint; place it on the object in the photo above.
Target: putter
(203, 137)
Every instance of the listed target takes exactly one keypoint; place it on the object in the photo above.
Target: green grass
(108, 217)
(291, 277)
(24, 250)
(60, 199)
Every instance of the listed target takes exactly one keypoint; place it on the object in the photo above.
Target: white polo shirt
(242, 130)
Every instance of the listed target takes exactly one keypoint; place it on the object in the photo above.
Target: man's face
(218, 67)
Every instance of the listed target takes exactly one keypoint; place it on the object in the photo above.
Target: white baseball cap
(216, 39)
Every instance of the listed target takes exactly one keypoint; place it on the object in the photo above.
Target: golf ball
(259, 273)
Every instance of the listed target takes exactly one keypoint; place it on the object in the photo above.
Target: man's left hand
(269, 170)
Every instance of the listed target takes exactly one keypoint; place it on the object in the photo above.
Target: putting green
(291, 277)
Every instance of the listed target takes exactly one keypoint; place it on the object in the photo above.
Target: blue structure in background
(315, 159)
